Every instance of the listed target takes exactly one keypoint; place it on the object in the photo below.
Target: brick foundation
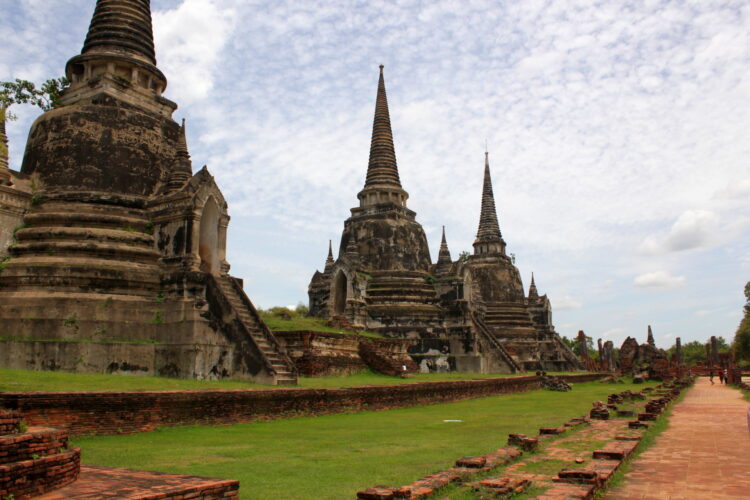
(118, 412)
(30, 478)
(38, 441)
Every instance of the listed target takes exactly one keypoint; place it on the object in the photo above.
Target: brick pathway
(703, 454)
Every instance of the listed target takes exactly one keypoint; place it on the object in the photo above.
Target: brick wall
(126, 412)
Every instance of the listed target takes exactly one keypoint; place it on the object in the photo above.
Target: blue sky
(617, 132)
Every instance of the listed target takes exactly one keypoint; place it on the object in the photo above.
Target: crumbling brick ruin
(469, 315)
(118, 256)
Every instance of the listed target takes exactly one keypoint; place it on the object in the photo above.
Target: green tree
(25, 92)
(741, 343)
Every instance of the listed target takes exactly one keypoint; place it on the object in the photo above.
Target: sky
(617, 134)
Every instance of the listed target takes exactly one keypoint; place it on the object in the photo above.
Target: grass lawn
(334, 456)
(47, 381)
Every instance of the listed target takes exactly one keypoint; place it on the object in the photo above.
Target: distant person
(726, 376)
(721, 376)
(711, 376)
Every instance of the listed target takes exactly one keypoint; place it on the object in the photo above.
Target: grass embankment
(294, 320)
(333, 456)
(47, 381)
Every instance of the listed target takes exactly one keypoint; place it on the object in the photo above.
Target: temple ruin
(117, 259)
(468, 315)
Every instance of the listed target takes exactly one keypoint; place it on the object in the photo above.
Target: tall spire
(382, 168)
(650, 339)
(4, 172)
(489, 239)
(444, 255)
(329, 260)
(122, 26)
(533, 293)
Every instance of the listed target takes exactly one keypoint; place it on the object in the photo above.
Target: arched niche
(340, 288)
(208, 242)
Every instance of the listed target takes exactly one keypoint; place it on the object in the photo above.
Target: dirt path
(703, 454)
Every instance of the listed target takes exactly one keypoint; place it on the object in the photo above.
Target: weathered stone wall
(13, 204)
(116, 412)
(387, 241)
(326, 353)
(491, 279)
(106, 145)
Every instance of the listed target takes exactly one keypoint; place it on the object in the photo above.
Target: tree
(741, 343)
(25, 92)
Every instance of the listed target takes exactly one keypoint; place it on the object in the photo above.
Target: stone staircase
(279, 364)
(34, 461)
(488, 338)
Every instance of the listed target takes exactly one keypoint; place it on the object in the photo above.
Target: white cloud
(659, 279)
(614, 332)
(189, 40)
(693, 229)
(566, 303)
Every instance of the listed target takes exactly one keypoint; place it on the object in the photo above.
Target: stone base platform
(108, 482)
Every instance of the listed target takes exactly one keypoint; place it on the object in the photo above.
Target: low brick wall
(126, 412)
(31, 478)
(38, 442)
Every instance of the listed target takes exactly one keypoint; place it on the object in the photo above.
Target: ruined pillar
(601, 354)
(609, 355)
(709, 358)
(678, 351)
(714, 351)
(583, 350)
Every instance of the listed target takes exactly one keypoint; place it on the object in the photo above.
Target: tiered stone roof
(489, 239)
(382, 169)
(122, 26)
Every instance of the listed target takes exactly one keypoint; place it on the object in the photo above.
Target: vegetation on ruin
(48, 381)
(295, 320)
(741, 343)
(334, 456)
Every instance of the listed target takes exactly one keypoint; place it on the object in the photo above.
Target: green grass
(334, 456)
(49, 381)
(299, 323)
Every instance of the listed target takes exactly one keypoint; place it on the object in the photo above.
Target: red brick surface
(106, 482)
(30, 478)
(117, 412)
(703, 454)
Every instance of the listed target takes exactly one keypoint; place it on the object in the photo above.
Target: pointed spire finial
(444, 256)
(382, 169)
(650, 339)
(183, 167)
(329, 260)
(489, 239)
(533, 293)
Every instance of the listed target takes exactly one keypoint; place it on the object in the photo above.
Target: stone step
(101, 250)
(85, 233)
(77, 219)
